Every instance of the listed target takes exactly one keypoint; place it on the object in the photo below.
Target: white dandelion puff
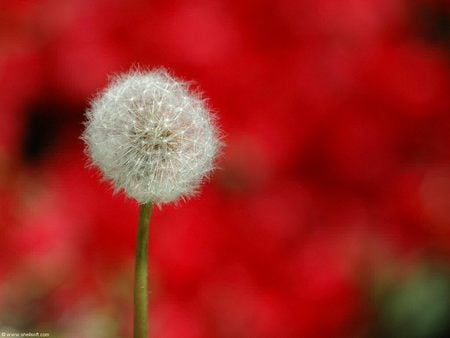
(151, 136)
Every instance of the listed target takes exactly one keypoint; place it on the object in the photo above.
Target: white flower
(151, 136)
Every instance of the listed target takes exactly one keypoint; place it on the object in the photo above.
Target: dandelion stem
(141, 273)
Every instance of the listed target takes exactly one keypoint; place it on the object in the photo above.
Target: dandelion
(156, 140)
(151, 136)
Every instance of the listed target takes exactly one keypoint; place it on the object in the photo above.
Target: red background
(329, 215)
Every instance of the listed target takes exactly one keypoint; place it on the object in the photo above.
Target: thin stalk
(141, 273)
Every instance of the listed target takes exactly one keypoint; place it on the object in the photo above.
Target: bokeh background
(329, 216)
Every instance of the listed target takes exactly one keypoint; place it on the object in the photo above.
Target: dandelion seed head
(151, 136)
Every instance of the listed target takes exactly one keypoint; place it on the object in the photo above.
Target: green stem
(141, 273)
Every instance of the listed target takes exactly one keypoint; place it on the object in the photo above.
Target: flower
(151, 136)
